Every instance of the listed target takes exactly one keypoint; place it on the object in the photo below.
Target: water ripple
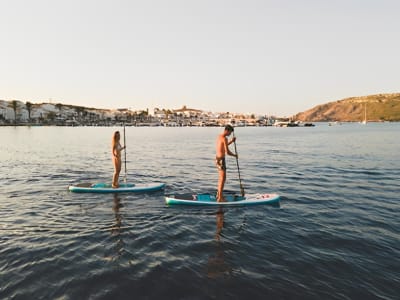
(334, 235)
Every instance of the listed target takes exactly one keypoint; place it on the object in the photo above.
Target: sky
(276, 57)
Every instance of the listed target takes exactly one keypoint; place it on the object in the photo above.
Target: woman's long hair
(114, 140)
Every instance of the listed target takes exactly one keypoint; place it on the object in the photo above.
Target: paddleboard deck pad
(231, 200)
(123, 188)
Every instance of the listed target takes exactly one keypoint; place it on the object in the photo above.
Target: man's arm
(232, 140)
(227, 148)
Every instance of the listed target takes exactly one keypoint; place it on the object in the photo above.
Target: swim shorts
(220, 163)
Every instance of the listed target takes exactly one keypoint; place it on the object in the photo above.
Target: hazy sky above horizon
(260, 56)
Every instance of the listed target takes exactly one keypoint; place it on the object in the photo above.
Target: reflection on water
(116, 229)
(217, 266)
(220, 224)
(338, 215)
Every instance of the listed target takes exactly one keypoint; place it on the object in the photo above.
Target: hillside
(381, 107)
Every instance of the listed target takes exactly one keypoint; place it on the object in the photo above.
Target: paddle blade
(242, 190)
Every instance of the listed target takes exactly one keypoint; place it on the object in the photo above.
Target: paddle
(237, 163)
(125, 153)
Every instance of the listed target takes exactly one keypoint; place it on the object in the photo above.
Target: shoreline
(303, 124)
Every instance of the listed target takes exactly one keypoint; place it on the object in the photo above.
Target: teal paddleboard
(232, 200)
(123, 188)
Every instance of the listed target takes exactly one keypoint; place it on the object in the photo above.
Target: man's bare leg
(221, 183)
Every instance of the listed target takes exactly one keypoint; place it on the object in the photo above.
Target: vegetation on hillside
(381, 107)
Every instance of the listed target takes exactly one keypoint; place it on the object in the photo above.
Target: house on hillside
(188, 112)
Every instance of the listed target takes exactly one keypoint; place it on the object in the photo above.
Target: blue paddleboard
(232, 200)
(123, 188)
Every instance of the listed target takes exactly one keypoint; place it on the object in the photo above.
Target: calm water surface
(335, 235)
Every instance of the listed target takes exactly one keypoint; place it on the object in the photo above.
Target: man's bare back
(222, 142)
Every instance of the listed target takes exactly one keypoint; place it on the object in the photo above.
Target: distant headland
(373, 108)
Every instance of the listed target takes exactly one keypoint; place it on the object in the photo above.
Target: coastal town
(18, 113)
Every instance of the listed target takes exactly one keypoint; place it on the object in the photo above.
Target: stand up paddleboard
(123, 188)
(232, 200)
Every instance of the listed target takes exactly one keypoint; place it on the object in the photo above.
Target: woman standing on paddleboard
(116, 157)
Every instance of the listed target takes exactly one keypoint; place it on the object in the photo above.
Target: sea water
(335, 234)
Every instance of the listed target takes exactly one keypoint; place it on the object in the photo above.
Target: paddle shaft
(237, 164)
(125, 152)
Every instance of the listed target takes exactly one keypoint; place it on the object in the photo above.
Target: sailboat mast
(365, 113)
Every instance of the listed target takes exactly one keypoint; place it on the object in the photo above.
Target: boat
(123, 188)
(231, 200)
(334, 123)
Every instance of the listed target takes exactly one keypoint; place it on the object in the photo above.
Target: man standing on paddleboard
(222, 151)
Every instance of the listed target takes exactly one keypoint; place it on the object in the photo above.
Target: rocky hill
(381, 107)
